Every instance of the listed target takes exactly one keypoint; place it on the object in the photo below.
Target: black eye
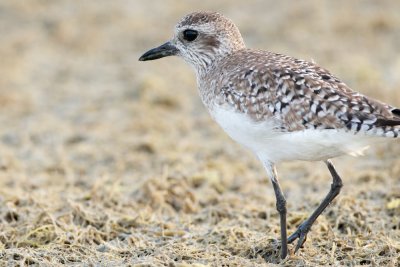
(190, 35)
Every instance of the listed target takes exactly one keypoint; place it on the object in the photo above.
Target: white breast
(273, 145)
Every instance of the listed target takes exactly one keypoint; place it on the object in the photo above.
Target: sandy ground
(107, 161)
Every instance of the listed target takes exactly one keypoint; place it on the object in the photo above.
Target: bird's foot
(301, 234)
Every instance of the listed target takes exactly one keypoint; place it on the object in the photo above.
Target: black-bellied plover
(279, 107)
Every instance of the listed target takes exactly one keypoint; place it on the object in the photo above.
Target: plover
(280, 107)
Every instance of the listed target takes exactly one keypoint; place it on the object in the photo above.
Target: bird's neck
(208, 63)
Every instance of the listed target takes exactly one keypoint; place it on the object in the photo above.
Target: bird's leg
(280, 206)
(304, 228)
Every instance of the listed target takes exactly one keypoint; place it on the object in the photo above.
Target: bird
(279, 107)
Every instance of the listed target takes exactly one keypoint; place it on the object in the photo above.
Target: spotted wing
(300, 95)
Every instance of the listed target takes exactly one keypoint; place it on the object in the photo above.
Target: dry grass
(106, 161)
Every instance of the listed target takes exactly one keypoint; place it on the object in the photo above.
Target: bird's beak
(164, 50)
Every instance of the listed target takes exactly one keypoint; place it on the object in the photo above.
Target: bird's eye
(190, 35)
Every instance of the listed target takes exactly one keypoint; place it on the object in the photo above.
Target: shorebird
(279, 107)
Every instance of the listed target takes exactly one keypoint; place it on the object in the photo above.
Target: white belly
(272, 145)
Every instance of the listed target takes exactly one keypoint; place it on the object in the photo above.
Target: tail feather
(388, 126)
(396, 112)
(386, 122)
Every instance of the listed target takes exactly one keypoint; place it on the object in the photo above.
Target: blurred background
(118, 158)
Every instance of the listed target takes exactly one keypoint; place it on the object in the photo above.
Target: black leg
(304, 228)
(280, 206)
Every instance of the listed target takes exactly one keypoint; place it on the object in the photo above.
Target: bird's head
(200, 38)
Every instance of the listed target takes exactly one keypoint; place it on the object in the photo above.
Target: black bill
(164, 50)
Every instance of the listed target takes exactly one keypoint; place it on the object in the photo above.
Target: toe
(294, 236)
(300, 242)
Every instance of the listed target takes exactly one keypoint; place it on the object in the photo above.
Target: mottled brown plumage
(279, 107)
(297, 94)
